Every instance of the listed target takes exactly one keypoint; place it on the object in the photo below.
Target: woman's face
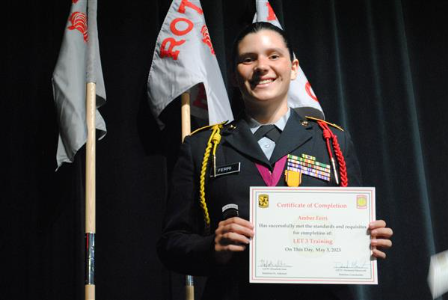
(264, 68)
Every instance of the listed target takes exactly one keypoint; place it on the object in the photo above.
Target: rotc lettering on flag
(309, 91)
(181, 63)
(178, 32)
(271, 13)
(207, 39)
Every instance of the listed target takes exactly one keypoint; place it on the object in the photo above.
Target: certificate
(312, 235)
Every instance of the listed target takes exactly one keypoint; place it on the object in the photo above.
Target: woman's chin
(264, 99)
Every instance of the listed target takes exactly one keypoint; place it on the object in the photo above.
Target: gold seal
(263, 201)
(361, 201)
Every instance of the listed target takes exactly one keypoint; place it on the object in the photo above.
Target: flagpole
(186, 130)
(185, 111)
(90, 192)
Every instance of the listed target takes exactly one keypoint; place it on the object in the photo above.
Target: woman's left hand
(380, 237)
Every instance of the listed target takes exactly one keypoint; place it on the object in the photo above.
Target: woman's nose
(262, 65)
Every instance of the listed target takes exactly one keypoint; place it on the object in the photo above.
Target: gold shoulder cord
(214, 140)
(331, 124)
(208, 127)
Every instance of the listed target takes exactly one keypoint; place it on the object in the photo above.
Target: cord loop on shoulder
(329, 135)
(213, 141)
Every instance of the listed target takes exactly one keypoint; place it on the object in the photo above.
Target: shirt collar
(280, 124)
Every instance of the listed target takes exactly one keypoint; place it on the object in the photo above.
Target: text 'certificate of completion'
(312, 235)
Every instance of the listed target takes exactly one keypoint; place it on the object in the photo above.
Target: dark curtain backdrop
(379, 68)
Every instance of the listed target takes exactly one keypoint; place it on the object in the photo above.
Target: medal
(293, 178)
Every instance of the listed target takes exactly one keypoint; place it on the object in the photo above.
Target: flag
(300, 92)
(78, 63)
(184, 59)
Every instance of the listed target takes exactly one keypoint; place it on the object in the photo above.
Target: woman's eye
(247, 60)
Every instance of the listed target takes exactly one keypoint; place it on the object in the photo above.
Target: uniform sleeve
(351, 161)
(182, 247)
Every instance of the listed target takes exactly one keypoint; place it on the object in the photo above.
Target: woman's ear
(294, 68)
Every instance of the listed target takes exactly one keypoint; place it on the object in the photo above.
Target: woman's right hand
(232, 235)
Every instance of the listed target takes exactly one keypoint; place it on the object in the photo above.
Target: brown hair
(254, 28)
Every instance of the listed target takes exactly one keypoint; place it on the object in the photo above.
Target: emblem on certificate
(263, 201)
(361, 202)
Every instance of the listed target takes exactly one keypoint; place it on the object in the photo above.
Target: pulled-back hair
(254, 28)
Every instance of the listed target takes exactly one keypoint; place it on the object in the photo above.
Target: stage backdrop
(379, 69)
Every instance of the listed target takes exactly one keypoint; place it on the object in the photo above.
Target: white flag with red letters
(300, 92)
(184, 60)
(78, 63)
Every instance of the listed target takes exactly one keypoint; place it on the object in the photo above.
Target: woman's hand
(380, 237)
(232, 235)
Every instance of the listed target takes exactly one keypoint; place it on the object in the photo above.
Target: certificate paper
(312, 235)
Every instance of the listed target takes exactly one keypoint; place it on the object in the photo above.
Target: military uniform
(185, 247)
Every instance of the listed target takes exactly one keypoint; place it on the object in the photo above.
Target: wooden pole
(186, 130)
(189, 288)
(186, 119)
(90, 191)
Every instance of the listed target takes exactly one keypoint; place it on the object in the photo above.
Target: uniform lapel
(242, 139)
(293, 136)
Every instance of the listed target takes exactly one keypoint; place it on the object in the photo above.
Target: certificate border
(254, 191)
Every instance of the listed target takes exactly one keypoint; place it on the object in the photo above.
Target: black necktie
(269, 131)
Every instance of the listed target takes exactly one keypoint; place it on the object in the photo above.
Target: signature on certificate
(264, 263)
(351, 264)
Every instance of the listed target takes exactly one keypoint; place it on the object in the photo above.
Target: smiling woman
(264, 70)
(197, 238)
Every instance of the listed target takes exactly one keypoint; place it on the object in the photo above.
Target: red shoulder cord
(328, 134)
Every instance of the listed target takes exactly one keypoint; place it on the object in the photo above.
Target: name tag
(228, 169)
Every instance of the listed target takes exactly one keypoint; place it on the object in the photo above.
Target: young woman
(217, 165)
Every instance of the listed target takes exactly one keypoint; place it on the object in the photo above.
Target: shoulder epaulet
(320, 120)
(208, 127)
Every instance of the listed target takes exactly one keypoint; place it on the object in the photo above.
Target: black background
(379, 69)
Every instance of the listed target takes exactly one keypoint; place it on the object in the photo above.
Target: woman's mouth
(263, 81)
